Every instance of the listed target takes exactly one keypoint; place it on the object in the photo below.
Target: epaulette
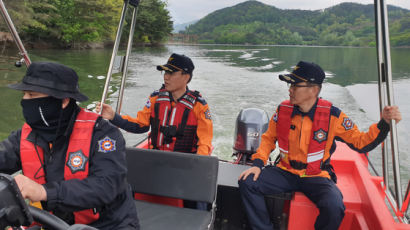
(196, 93)
(155, 93)
(201, 100)
(199, 97)
(334, 111)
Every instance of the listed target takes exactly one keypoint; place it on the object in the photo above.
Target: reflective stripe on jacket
(77, 158)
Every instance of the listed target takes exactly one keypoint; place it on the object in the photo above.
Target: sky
(183, 11)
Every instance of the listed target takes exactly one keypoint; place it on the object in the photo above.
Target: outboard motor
(251, 123)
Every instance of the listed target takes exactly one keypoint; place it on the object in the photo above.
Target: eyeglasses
(293, 85)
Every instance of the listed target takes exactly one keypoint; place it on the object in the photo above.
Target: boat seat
(176, 175)
(156, 216)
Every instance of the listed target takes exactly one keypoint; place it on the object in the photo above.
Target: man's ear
(66, 101)
(187, 77)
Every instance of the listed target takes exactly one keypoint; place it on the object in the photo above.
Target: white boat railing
(135, 4)
(386, 97)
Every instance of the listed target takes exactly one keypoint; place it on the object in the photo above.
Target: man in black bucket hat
(305, 128)
(73, 162)
(53, 79)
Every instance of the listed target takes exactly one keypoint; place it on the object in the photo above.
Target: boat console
(15, 212)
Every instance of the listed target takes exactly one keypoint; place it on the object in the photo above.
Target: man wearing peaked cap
(304, 72)
(73, 161)
(177, 63)
(305, 128)
(179, 118)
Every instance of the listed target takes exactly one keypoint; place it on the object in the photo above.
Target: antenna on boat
(386, 93)
(135, 4)
(16, 36)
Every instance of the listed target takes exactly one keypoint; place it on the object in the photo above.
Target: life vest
(173, 128)
(318, 136)
(77, 158)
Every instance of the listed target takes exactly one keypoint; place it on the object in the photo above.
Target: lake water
(231, 78)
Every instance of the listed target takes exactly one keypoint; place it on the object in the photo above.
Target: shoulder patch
(208, 114)
(275, 117)
(77, 161)
(334, 111)
(347, 123)
(106, 145)
(148, 103)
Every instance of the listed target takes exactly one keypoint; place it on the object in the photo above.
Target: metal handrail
(135, 4)
(114, 53)
(125, 71)
(385, 75)
(15, 35)
(381, 80)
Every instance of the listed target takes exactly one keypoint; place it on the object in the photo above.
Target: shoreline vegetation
(51, 24)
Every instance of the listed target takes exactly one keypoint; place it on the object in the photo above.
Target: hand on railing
(107, 111)
(391, 112)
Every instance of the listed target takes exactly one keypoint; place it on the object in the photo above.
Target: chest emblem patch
(320, 135)
(106, 145)
(347, 123)
(77, 161)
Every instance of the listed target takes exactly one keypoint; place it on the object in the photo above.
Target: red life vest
(77, 158)
(317, 144)
(173, 128)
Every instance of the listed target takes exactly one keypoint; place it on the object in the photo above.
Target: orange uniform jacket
(341, 128)
(201, 111)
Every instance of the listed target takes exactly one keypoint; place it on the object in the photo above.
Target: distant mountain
(183, 26)
(253, 22)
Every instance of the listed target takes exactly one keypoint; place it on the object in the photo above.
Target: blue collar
(310, 114)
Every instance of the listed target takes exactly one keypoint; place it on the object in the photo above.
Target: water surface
(231, 78)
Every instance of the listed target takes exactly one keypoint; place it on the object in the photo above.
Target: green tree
(153, 22)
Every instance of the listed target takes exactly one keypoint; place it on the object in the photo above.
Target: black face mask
(45, 116)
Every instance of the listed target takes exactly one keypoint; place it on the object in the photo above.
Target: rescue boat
(168, 178)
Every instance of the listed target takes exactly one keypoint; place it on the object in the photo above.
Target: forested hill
(84, 23)
(253, 22)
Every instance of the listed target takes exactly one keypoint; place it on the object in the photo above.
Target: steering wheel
(15, 212)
